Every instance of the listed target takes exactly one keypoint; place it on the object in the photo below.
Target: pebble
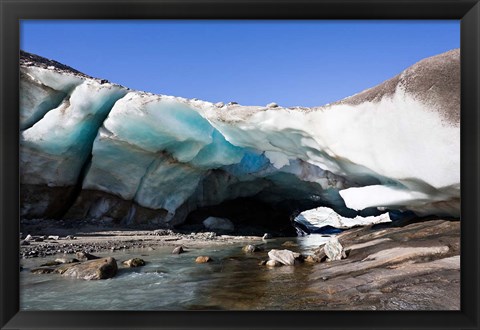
(135, 262)
(203, 259)
(273, 263)
(250, 248)
(311, 259)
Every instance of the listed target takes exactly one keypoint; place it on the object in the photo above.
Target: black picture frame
(12, 11)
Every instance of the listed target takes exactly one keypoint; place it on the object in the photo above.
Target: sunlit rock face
(90, 148)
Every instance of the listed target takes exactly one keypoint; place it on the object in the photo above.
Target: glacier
(94, 149)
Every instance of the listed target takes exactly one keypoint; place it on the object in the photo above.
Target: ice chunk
(360, 198)
(324, 216)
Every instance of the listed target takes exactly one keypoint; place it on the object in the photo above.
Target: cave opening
(250, 216)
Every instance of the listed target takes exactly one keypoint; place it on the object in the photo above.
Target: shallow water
(234, 281)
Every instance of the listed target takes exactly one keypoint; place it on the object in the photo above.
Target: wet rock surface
(203, 259)
(134, 262)
(97, 269)
(178, 250)
(334, 250)
(413, 267)
(284, 257)
(250, 248)
(273, 263)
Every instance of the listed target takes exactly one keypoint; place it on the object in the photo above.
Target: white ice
(324, 216)
(164, 152)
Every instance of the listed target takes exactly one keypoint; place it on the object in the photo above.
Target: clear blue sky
(252, 62)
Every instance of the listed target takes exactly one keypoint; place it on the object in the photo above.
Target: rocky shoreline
(51, 237)
(412, 266)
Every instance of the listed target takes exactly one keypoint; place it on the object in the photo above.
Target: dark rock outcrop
(435, 81)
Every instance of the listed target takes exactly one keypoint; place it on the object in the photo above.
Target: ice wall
(158, 157)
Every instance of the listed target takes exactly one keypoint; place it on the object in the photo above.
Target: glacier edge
(157, 158)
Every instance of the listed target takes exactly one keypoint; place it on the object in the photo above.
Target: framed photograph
(239, 165)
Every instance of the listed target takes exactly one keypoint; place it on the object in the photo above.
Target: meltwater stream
(234, 281)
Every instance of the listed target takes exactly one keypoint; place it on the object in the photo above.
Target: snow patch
(324, 216)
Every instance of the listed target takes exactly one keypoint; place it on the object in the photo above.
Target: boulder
(221, 224)
(50, 263)
(273, 263)
(272, 105)
(62, 268)
(285, 257)
(84, 256)
(312, 259)
(334, 250)
(42, 270)
(289, 243)
(29, 238)
(178, 250)
(134, 262)
(319, 254)
(250, 248)
(97, 269)
(66, 260)
(203, 259)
